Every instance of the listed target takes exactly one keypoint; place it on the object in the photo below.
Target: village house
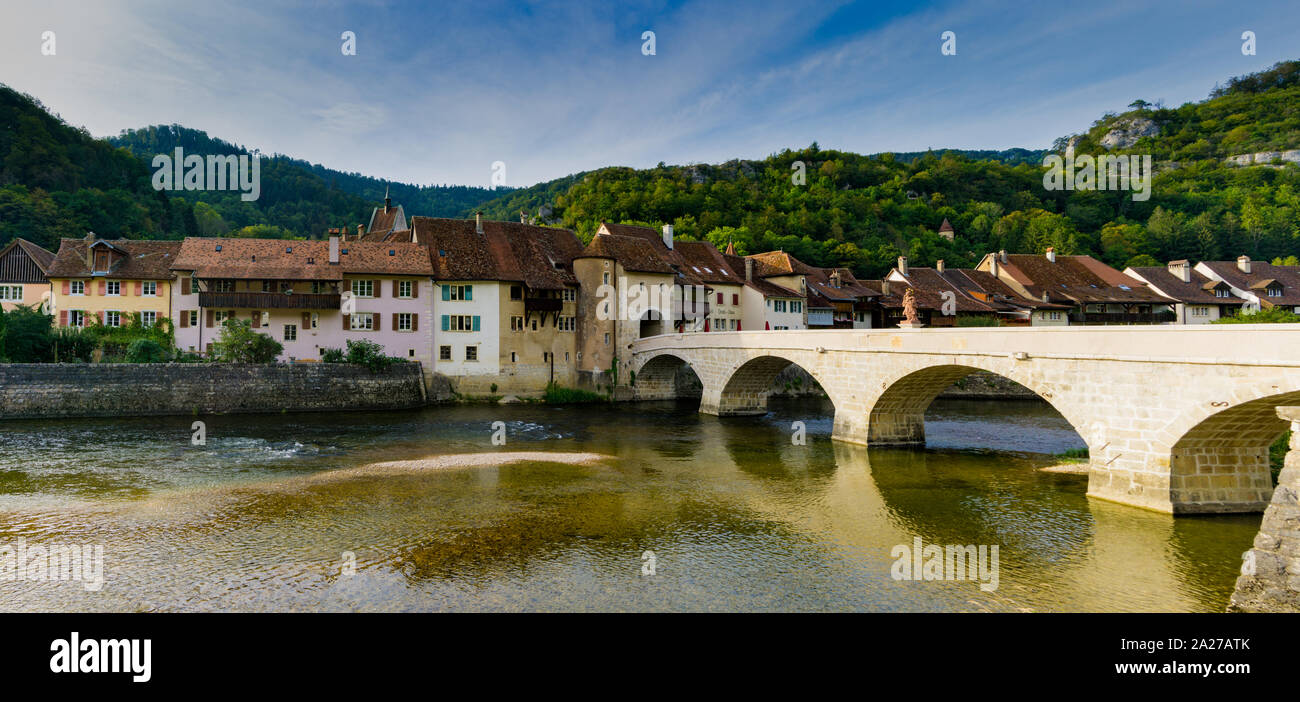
(23, 270)
(832, 297)
(1199, 299)
(308, 295)
(939, 301)
(1013, 308)
(111, 282)
(765, 305)
(1094, 292)
(1262, 285)
(506, 306)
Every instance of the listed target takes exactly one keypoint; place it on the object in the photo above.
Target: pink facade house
(308, 295)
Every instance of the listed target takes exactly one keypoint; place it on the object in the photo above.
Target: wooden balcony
(268, 300)
(542, 304)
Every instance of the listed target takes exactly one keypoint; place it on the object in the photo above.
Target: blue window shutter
(445, 322)
(475, 322)
(446, 294)
(469, 292)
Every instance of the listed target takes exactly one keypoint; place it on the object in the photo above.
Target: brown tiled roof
(633, 230)
(766, 287)
(707, 263)
(929, 285)
(385, 220)
(1288, 276)
(143, 260)
(633, 253)
(1199, 290)
(39, 255)
(773, 263)
(946, 226)
(539, 257)
(286, 259)
(988, 289)
(1076, 279)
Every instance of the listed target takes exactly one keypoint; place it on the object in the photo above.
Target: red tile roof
(287, 259)
(1288, 276)
(1162, 280)
(539, 257)
(1077, 280)
(143, 259)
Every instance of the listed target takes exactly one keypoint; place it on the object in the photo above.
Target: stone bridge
(1177, 418)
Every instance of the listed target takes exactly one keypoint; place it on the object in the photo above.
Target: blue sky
(439, 91)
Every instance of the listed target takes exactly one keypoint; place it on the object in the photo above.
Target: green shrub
(146, 351)
(1275, 315)
(27, 335)
(238, 343)
(365, 352)
(1277, 454)
(332, 356)
(73, 344)
(558, 395)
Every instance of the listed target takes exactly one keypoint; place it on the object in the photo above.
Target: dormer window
(1222, 292)
(1274, 291)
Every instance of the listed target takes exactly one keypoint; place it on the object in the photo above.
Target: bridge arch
(1219, 461)
(656, 379)
(897, 415)
(746, 386)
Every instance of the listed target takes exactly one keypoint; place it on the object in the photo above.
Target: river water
(728, 513)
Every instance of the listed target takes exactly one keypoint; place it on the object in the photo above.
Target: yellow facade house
(23, 266)
(106, 281)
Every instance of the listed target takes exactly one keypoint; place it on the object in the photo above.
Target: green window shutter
(469, 292)
(475, 322)
(446, 294)
(445, 322)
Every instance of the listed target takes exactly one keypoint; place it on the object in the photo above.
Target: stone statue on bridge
(912, 319)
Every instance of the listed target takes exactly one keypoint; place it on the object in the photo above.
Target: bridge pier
(1270, 572)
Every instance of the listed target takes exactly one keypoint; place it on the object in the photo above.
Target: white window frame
(405, 288)
(363, 288)
(113, 288)
(291, 332)
(148, 318)
(149, 288)
(404, 321)
(77, 287)
(112, 318)
(362, 321)
(76, 318)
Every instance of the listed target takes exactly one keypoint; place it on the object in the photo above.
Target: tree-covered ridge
(1253, 113)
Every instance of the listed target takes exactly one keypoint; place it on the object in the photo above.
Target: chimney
(334, 249)
(993, 266)
(938, 265)
(478, 222)
(884, 286)
(749, 269)
(668, 235)
(902, 265)
(1051, 254)
(523, 217)
(1181, 270)
(1243, 264)
(1003, 255)
(388, 201)
(361, 230)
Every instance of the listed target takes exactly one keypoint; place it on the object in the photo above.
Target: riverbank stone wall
(48, 390)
